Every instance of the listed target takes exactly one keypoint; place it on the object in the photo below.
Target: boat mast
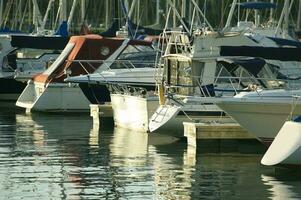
(83, 10)
(158, 11)
(36, 15)
(132, 8)
(46, 14)
(107, 13)
(202, 14)
(286, 19)
(63, 11)
(17, 14)
(177, 15)
(229, 19)
(286, 4)
(1, 11)
(271, 11)
(285, 13)
(24, 15)
(299, 17)
(174, 14)
(257, 17)
(183, 8)
(71, 13)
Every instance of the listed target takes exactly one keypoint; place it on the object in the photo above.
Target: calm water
(63, 157)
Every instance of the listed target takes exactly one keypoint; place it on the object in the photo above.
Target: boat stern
(29, 95)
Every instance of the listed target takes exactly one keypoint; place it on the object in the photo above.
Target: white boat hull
(263, 120)
(286, 147)
(133, 112)
(54, 97)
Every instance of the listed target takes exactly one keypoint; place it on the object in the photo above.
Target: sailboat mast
(107, 10)
(63, 13)
(158, 11)
(229, 19)
(286, 19)
(271, 11)
(183, 8)
(299, 17)
(1, 11)
(37, 18)
(174, 18)
(132, 8)
(46, 14)
(83, 10)
(71, 13)
(257, 21)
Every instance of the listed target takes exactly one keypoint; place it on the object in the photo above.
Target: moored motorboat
(48, 92)
(262, 113)
(133, 66)
(83, 55)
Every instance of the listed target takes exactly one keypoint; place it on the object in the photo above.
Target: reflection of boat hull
(10, 89)
(263, 120)
(53, 97)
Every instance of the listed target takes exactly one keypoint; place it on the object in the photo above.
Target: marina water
(51, 156)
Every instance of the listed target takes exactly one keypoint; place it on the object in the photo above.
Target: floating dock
(197, 131)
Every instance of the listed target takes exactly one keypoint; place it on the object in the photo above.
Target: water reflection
(145, 173)
(66, 157)
(43, 161)
(283, 185)
(128, 148)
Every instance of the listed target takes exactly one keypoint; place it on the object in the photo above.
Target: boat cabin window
(222, 75)
(135, 56)
(136, 48)
(10, 62)
(27, 53)
(234, 75)
(269, 74)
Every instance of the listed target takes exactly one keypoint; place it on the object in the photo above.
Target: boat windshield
(135, 56)
(242, 78)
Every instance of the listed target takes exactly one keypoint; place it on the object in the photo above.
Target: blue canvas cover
(257, 5)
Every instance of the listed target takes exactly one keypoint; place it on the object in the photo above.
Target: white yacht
(274, 118)
(134, 65)
(264, 112)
